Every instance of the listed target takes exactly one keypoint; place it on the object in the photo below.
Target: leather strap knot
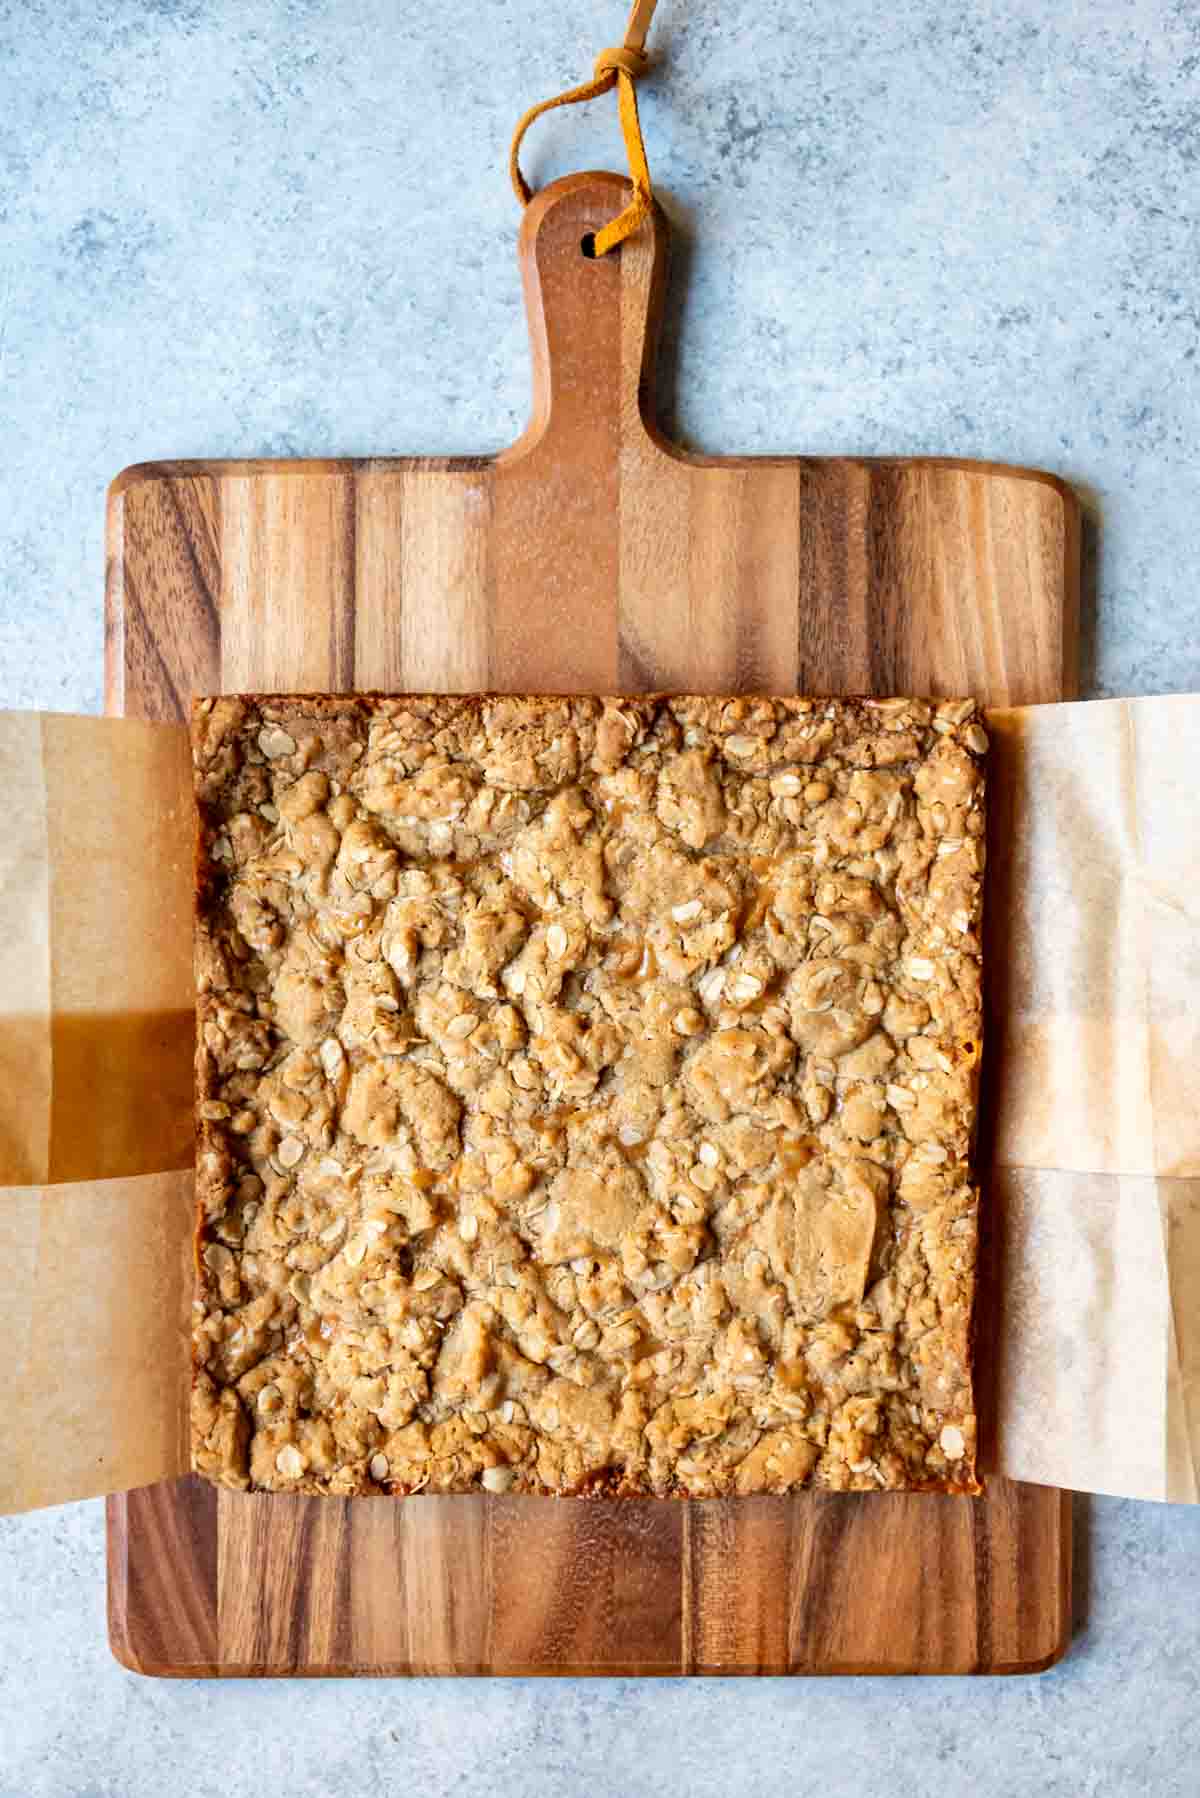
(621, 61)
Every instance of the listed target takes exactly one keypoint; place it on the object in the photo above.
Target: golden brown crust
(585, 1093)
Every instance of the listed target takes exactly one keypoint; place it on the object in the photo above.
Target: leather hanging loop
(621, 68)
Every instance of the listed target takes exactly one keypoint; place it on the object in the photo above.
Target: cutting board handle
(593, 321)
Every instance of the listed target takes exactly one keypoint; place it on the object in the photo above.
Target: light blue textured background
(283, 226)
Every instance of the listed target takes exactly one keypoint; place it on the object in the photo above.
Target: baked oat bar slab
(586, 1093)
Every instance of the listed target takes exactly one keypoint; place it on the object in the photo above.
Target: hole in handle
(587, 243)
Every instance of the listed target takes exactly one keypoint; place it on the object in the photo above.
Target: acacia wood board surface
(591, 556)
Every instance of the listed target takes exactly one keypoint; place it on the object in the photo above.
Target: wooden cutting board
(592, 555)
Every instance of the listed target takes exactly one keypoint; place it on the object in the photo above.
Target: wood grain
(591, 556)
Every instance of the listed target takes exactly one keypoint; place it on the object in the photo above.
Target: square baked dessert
(586, 1092)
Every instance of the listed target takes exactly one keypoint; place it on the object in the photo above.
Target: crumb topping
(586, 1092)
